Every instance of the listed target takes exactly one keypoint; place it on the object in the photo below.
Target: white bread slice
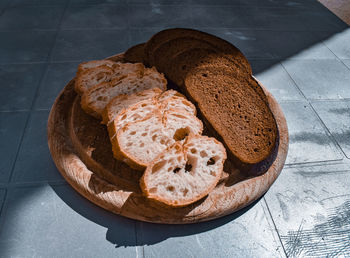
(141, 109)
(176, 102)
(168, 94)
(91, 77)
(95, 72)
(123, 101)
(138, 143)
(136, 112)
(184, 174)
(96, 98)
(93, 64)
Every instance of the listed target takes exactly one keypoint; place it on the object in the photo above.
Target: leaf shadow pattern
(328, 239)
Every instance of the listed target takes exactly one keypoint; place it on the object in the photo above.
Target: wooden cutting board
(81, 150)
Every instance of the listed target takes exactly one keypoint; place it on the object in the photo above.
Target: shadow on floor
(119, 235)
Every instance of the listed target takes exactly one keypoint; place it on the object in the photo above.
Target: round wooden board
(81, 151)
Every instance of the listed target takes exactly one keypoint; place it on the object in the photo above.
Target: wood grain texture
(81, 151)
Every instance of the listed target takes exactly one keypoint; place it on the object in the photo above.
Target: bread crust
(184, 149)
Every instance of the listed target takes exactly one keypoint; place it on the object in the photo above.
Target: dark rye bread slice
(160, 43)
(186, 61)
(238, 115)
(135, 54)
(230, 100)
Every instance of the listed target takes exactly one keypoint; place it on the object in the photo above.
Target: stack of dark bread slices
(156, 130)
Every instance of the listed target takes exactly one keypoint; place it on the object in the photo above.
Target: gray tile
(310, 207)
(80, 17)
(34, 162)
(142, 35)
(249, 234)
(11, 131)
(82, 45)
(297, 45)
(38, 17)
(308, 140)
(320, 79)
(37, 2)
(18, 85)
(27, 46)
(250, 42)
(142, 16)
(346, 62)
(57, 222)
(288, 19)
(336, 116)
(338, 43)
(80, 2)
(219, 16)
(314, 20)
(277, 81)
(155, 2)
(301, 4)
(57, 76)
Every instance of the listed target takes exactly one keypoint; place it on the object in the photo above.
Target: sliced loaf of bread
(184, 173)
(95, 99)
(138, 143)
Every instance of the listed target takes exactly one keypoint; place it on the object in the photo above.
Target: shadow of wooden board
(81, 150)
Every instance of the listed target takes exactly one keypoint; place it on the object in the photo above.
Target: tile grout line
(10, 178)
(338, 58)
(274, 224)
(328, 133)
(275, 227)
(3, 202)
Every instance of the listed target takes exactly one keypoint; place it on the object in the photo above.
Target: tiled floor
(298, 50)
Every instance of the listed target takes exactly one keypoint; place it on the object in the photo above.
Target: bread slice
(163, 102)
(135, 54)
(236, 112)
(82, 67)
(96, 98)
(138, 143)
(184, 173)
(217, 78)
(134, 113)
(99, 71)
(91, 77)
(176, 40)
(123, 101)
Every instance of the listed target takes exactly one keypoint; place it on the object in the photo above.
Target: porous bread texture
(95, 72)
(170, 99)
(184, 173)
(91, 77)
(95, 99)
(217, 78)
(123, 101)
(138, 143)
(94, 64)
